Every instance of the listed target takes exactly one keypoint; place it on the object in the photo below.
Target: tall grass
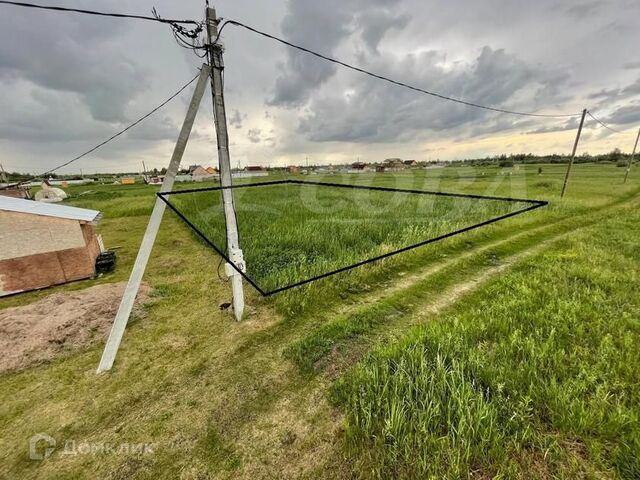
(292, 232)
(540, 365)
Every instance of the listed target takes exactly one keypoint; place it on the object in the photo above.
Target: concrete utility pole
(626, 174)
(573, 154)
(3, 175)
(233, 243)
(131, 290)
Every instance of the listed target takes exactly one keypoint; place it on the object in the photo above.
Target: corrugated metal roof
(48, 209)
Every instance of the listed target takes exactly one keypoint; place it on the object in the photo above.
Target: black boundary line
(424, 192)
(360, 187)
(535, 204)
(209, 189)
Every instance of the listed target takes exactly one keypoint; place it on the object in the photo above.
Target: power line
(180, 33)
(387, 79)
(103, 14)
(604, 124)
(101, 144)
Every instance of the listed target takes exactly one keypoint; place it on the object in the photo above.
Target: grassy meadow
(292, 232)
(509, 351)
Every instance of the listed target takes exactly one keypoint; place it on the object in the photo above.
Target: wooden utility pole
(215, 51)
(131, 290)
(573, 154)
(633, 154)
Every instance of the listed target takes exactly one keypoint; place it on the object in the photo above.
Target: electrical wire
(604, 124)
(390, 80)
(180, 31)
(103, 14)
(112, 137)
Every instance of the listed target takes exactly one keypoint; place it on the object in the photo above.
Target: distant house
(381, 168)
(198, 172)
(293, 169)
(44, 244)
(254, 168)
(410, 163)
(156, 180)
(358, 167)
(393, 164)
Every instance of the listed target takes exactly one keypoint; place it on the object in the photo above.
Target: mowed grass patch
(533, 376)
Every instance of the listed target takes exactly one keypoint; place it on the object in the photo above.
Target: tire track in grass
(261, 393)
(332, 336)
(400, 282)
(384, 289)
(315, 455)
(310, 409)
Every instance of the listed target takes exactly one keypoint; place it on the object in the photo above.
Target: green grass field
(509, 351)
(293, 232)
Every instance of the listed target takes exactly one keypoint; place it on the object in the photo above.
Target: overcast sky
(69, 81)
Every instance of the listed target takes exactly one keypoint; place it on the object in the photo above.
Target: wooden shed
(44, 244)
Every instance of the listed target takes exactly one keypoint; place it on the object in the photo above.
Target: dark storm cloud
(254, 135)
(162, 127)
(633, 89)
(303, 75)
(375, 23)
(570, 124)
(585, 9)
(375, 111)
(43, 115)
(69, 54)
(604, 94)
(325, 25)
(625, 115)
(496, 125)
(235, 119)
(348, 107)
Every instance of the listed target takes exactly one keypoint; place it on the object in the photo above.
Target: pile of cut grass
(533, 376)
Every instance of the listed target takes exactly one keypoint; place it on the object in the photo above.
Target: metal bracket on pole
(131, 290)
(237, 259)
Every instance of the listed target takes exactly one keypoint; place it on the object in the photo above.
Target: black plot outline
(534, 204)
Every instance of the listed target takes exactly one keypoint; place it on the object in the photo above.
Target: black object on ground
(106, 262)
